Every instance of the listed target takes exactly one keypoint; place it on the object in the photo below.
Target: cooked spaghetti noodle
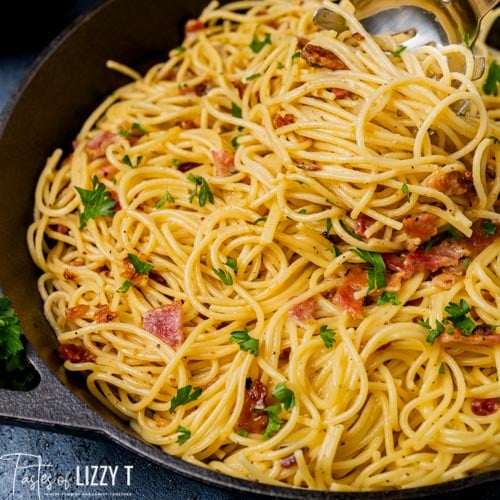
(276, 254)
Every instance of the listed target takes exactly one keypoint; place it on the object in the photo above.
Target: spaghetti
(276, 254)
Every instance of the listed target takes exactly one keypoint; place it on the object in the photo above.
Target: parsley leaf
(16, 372)
(232, 263)
(253, 77)
(284, 395)
(490, 85)
(245, 342)
(139, 266)
(405, 190)
(126, 159)
(488, 227)
(166, 198)
(225, 277)
(398, 51)
(466, 40)
(458, 317)
(376, 274)
(184, 434)
(433, 334)
(388, 298)
(274, 421)
(125, 286)
(236, 110)
(327, 336)
(201, 190)
(96, 202)
(184, 396)
(258, 44)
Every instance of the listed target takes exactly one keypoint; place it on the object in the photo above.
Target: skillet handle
(49, 405)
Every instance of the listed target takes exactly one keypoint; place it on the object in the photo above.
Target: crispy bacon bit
(59, 228)
(339, 93)
(318, 56)
(189, 124)
(478, 240)
(68, 275)
(240, 86)
(106, 171)
(116, 206)
(187, 166)
(200, 89)
(362, 223)
(96, 147)
(75, 353)
(156, 276)
(482, 335)
(193, 25)
(451, 183)
(76, 312)
(420, 228)
(289, 461)
(255, 399)
(310, 167)
(166, 322)
(358, 36)
(224, 162)
(355, 280)
(285, 354)
(104, 314)
(442, 255)
(280, 120)
(131, 274)
(303, 311)
(483, 407)
(302, 41)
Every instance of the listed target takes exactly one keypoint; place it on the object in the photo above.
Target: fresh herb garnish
(126, 159)
(139, 266)
(488, 227)
(458, 317)
(329, 226)
(125, 286)
(441, 369)
(406, 191)
(16, 372)
(236, 110)
(245, 342)
(224, 276)
(397, 52)
(96, 202)
(258, 44)
(466, 40)
(327, 336)
(376, 273)
(232, 263)
(184, 396)
(449, 232)
(388, 298)
(490, 85)
(201, 190)
(184, 434)
(274, 421)
(253, 77)
(166, 198)
(259, 220)
(284, 395)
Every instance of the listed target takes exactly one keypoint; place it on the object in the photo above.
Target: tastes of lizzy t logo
(28, 476)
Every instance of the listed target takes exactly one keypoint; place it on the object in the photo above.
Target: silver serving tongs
(437, 22)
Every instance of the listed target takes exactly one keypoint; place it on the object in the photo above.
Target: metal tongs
(436, 22)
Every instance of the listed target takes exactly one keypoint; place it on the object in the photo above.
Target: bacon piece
(447, 253)
(339, 93)
(106, 171)
(166, 322)
(255, 399)
(303, 311)
(76, 312)
(451, 183)
(302, 41)
(189, 124)
(59, 228)
(200, 89)
(324, 58)
(96, 147)
(104, 314)
(289, 461)
(240, 86)
(482, 335)
(75, 353)
(356, 279)
(419, 228)
(131, 274)
(483, 407)
(358, 36)
(68, 275)
(193, 25)
(478, 240)
(224, 162)
(280, 120)
(362, 223)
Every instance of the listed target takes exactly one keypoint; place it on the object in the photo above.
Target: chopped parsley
(449, 232)
(466, 40)
(125, 286)
(284, 395)
(259, 220)
(274, 421)
(16, 372)
(488, 227)
(236, 110)
(224, 276)
(329, 226)
(201, 190)
(257, 44)
(253, 77)
(166, 198)
(490, 85)
(376, 273)
(126, 159)
(245, 342)
(397, 52)
(139, 266)
(96, 202)
(327, 336)
(184, 434)
(232, 263)
(183, 396)
(441, 369)
(406, 191)
(388, 298)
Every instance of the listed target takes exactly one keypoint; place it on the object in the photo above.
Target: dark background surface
(26, 28)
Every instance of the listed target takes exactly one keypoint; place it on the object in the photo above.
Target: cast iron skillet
(61, 89)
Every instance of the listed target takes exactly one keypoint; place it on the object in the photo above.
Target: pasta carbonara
(277, 253)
